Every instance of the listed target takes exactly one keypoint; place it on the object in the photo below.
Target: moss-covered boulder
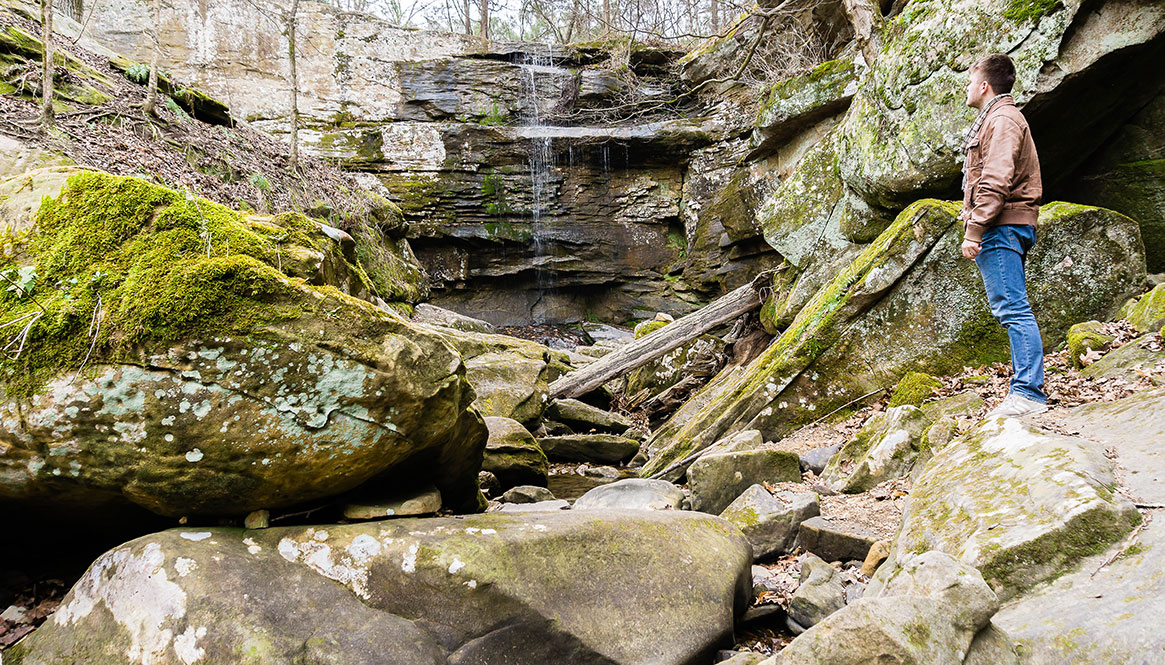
(582, 417)
(798, 102)
(886, 447)
(1020, 504)
(512, 454)
(913, 389)
(174, 355)
(717, 479)
(965, 403)
(1087, 337)
(1139, 358)
(627, 587)
(908, 302)
(1148, 315)
(510, 376)
(771, 521)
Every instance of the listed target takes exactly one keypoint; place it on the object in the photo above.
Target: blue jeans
(1001, 260)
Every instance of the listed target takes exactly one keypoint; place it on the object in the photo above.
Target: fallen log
(654, 345)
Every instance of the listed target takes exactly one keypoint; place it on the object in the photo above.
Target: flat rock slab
(716, 479)
(1110, 614)
(599, 448)
(1020, 504)
(835, 540)
(583, 417)
(1112, 618)
(1135, 426)
(632, 494)
(628, 587)
(424, 502)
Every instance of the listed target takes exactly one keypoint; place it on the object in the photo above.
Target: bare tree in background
(47, 65)
(292, 16)
(485, 21)
(150, 106)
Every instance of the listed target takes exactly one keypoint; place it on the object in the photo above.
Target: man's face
(977, 89)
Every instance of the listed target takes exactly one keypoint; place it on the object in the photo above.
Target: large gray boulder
(512, 454)
(1107, 610)
(632, 494)
(511, 377)
(613, 587)
(716, 479)
(886, 447)
(908, 302)
(220, 384)
(819, 594)
(929, 614)
(1020, 504)
(771, 522)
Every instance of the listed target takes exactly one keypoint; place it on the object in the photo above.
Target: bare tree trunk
(866, 18)
(654, 345)
(468, 19)
(294, 84)
(47, 66)
(150, 107)
(606, 17)
(485, 21)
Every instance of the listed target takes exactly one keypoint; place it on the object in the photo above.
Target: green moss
(493, 192)
(914, 389)
(917, 633)
(1085, 337)
(1086, 534)
(162, 266)
(1024, 10)
(646, 328)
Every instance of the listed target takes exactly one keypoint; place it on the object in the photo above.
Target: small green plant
(21, 281)
(259, 182)
(493, 190)
(495, 117)
(138, 73)
(177, 110)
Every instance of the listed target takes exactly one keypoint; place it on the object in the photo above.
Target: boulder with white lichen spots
(180, 359)
(599, 586)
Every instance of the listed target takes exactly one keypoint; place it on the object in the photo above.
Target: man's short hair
(998, 70)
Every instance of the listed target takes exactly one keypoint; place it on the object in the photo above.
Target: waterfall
(540, 158)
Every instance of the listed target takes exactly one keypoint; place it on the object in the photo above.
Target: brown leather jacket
(1003, 173)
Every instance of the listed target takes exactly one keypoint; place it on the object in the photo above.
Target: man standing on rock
(1001, 203)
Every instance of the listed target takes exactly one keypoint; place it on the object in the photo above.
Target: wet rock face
(632, 587)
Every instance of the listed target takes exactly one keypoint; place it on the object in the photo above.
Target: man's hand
(970, 249)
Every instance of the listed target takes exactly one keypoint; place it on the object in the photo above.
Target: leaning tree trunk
(47, 66)
(654, 345)
(291, 20)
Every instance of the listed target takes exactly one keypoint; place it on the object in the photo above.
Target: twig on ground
(1127, 544)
